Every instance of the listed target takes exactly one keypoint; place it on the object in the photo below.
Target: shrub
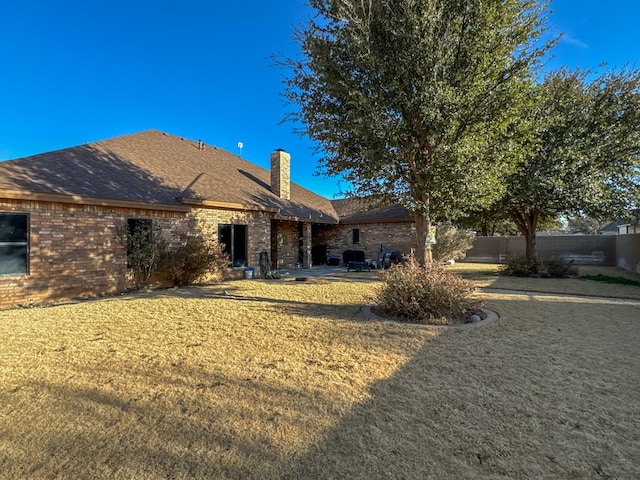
(452, 243)
(144, 247)
(556, 267)
(552, 266)
(192, 260)
(425, 294)
(520, 266)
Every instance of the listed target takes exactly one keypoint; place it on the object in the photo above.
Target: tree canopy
(582, 154)
(408, 99)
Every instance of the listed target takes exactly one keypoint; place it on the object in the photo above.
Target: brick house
(59, 211)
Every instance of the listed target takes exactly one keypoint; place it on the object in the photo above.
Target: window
(234, 239)
(14, 244)
(356, 236)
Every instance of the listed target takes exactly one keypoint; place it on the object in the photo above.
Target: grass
(288, 380)
(487, 276)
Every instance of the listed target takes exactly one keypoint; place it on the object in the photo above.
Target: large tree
(582, 154)
(407, 98)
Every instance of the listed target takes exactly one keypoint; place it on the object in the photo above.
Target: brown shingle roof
(157, 168)
(359, 210)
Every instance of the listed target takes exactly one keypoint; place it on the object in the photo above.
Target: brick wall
(287, 241)
(258, 230)
(73, 252)
(391, 236)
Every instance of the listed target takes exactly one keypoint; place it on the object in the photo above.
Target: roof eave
(87, 200)
(199, 202)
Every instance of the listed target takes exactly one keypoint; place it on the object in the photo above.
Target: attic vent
(200, 145)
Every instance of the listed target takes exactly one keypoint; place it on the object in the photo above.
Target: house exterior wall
(399, 236)
(73, 251)
(258, 228)
(288, 246)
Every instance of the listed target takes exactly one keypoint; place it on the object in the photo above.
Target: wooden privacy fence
(611, 250)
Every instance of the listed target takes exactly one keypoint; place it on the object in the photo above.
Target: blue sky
(75, 71)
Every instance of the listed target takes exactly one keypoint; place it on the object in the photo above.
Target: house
(369, 227)
(59, 211)
(620, 227)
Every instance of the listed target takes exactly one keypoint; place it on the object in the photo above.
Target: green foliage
(144, 246)
(407, 99)
(452, 243)
(425, 294)
(556, 267)
(581, 156)
(192, 260)
(520, 266)
(489, 222)
(272, 275)
(550, 267)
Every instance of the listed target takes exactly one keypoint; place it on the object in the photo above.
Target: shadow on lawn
(229, 293)
(529, 397)
(100, 432)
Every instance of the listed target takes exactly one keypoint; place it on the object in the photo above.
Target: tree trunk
(530, 244)
(423, 253)
(527, 223)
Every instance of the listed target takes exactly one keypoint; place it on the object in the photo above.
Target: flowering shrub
(427, 294)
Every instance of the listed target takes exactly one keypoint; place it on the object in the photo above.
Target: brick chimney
(281, 174)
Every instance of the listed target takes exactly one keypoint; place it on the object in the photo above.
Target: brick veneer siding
(399, 236)
(73, 252)
(287, 241)
(258, 228)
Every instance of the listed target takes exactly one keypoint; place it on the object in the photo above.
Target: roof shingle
(157, 168)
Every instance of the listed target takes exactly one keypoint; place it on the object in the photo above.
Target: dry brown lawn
(289, 380)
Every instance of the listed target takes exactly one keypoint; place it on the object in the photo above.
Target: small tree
(584, 224)
(144, 246)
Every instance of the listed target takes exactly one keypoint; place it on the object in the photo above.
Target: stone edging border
(491, 318)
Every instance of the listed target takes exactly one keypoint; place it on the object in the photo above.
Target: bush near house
(428, 295)
(148, 253)
(144, 246)
(192, 260)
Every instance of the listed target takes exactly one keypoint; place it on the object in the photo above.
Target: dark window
(234, 239)
(356, 236)
(14, 244)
